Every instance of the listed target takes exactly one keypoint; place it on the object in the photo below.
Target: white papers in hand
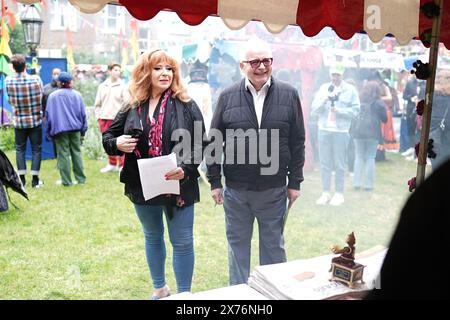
(152, 172)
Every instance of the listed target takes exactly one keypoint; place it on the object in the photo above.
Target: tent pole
(426, 117)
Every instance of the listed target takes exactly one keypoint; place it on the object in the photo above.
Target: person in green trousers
(67, 125)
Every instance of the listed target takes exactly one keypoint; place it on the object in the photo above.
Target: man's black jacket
(282, 110)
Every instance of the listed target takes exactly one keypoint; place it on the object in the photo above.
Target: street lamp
(32, 25)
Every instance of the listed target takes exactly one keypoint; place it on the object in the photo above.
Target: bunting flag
(5, 31)
(5, 50)
(70, 59)
(134, 41)
(5, 70)
(11, 18)
(3, 95)
(4, 65)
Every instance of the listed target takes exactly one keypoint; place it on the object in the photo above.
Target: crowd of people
(138, 120)
(371, 102)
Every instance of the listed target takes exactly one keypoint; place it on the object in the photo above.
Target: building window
(143, 39)
(63, 15)
(113, 19)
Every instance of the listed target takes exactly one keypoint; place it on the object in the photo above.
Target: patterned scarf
(155, 146)
(156, 129)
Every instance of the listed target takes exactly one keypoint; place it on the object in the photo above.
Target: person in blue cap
(67, 125)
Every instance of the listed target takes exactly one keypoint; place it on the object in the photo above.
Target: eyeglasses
(256, 63)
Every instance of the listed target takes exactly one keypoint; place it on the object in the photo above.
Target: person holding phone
(335, 104)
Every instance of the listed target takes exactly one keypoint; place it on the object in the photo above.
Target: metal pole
(426, 117)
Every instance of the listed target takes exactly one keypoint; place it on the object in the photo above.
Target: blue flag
(4, 100)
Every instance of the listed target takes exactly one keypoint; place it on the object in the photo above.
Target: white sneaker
(324, 198)
(108, 168)
(337, 199)
(408, 152)
(40, 184)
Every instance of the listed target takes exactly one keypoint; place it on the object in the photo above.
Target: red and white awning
(376, 17)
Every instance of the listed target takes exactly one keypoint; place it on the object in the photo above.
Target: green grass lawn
(92, 231)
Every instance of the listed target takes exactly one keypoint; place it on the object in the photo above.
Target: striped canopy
(401, 18)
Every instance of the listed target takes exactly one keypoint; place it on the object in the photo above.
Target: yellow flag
(5, 49)
(70, 59)
(5, 32)
(4, 42)
(124, 58)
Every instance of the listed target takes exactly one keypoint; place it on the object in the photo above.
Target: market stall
(419, 19)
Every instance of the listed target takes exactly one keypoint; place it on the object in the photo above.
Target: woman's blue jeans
(181, 236)
(366, 151)
(333, 156)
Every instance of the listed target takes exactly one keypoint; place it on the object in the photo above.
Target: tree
(17, 39)
(90, 58)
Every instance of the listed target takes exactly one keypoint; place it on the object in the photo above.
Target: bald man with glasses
(255, 115)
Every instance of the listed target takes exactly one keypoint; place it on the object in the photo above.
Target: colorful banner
(134, 41)
(70, 59)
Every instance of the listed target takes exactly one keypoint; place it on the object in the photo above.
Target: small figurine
(347, 256)
(344, 268)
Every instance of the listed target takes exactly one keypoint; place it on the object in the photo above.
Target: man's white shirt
(258, 97)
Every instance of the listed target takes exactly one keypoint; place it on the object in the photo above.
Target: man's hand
(217, 195)
(292, 196)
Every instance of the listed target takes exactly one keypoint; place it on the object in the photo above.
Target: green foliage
(7, 141)
(89, 58)
(88, 89)
(17, 42)
(92, 145)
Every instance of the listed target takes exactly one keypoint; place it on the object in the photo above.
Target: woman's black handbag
(364, 125)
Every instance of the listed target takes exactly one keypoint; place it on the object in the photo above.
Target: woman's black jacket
(125, 123)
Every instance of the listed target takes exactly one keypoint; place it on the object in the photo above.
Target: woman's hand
(126, 143)
(217, 195)
(175, 174)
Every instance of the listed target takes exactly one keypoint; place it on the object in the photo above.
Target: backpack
(365, 125)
